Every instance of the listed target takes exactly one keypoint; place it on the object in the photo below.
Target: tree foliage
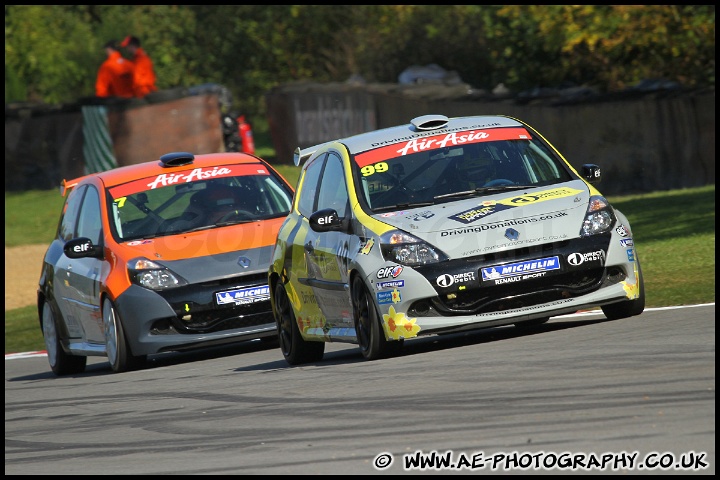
(52, 52)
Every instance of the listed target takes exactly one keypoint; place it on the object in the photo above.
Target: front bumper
(561, 277)
(190, 317)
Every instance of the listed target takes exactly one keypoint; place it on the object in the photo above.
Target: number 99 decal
(377, 168)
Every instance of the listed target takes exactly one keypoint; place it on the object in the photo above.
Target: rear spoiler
(302, 154)
(67, 185)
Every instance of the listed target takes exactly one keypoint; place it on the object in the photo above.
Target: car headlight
(149, 274)
(600, 217)
(405, 249)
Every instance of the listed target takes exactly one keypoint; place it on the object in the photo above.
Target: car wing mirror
(82, 247)
(591, 173)
(327, 220)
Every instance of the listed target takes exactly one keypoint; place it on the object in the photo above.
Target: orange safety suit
(144, 76)
(115, 77)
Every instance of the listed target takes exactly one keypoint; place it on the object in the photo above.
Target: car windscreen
(187, 201)
(448, 166)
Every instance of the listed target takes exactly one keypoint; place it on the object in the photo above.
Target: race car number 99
(377, 168)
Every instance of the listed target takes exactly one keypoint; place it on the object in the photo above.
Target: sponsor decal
(520, 269)
(391, 284)
(631, 254)
(243, 295)
(308, 298)
(541, 196)
(469, 216)
(396, 296)
(507, 223)
(387, 272)
(576, 259)
(447, 280)
(621, 230)
(327, 220)
(626, 242)
(421, 216)
(474, 214)
(400, 147)
(392, 214)
(388, 297)
(135, 243)
(397, 325)
(367, 247)
(185, 176)
(165, 179)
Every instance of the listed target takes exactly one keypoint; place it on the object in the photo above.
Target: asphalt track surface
(636, 396)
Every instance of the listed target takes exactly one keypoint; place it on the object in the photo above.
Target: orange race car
(163, 256)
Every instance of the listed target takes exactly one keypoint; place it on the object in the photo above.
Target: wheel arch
(273, 279)
(60, 327)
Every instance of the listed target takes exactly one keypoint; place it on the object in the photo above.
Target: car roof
(418, 127)
(120, 175)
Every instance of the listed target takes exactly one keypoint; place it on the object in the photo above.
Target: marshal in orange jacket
(115, 77)
(144, 76)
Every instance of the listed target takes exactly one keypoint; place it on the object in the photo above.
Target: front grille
(477, 296)
(213, 321)
(197, 312)
(522, 252)
(526, 294)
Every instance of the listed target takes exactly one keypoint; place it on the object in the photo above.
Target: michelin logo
(391, 284)
(243, 296)
(521, 268)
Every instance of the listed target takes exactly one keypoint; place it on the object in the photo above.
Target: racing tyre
(60, 362)
(369, 331)
(294, 348)
(629, 308)
(118, 351)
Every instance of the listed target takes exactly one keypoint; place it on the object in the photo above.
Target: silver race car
(443, 225)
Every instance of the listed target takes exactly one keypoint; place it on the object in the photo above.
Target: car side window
(333, 189)
(309, 186)
(66, 230)
(90, 222)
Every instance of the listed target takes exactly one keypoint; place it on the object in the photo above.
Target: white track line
(43, 353)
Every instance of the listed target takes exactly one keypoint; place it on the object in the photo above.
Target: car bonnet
(482, 225)
(211, 254)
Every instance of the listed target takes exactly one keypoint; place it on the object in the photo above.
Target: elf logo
(388, 272)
